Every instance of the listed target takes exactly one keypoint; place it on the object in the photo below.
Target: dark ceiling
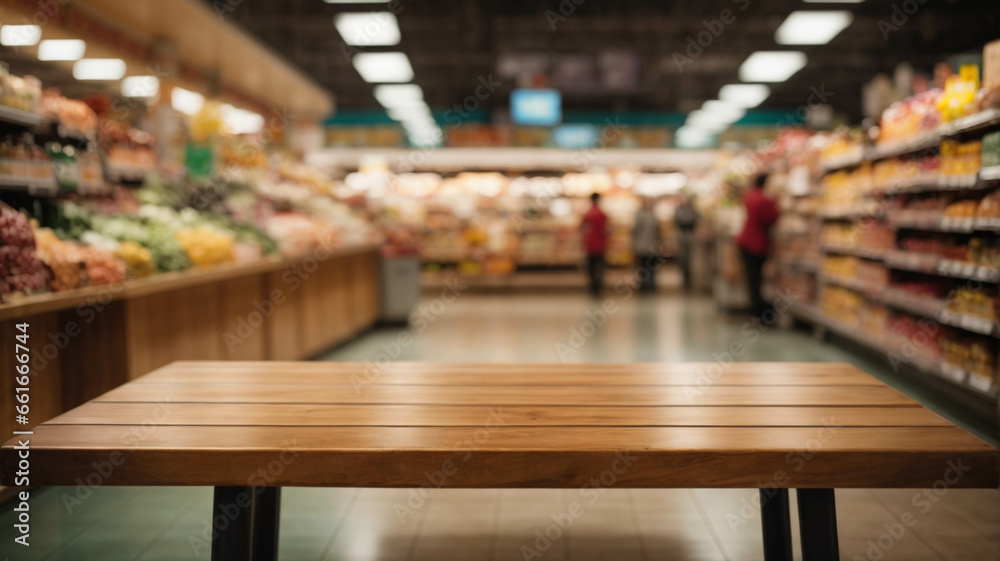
(453, 43)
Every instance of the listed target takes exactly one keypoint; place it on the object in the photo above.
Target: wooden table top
(748, 425)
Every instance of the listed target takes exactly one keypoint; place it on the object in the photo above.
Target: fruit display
(911, 118)
(206, 247)
(138, 260)
(70, 113)
(20, 268)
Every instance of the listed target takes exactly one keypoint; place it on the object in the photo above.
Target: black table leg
(818, 525)
(777, 525)
(232, 523)
(266, 521)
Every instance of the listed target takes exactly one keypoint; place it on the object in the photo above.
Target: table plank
(487, 425)
(514, 374)
(507, 378)
(521, 395)
(270, 414)
(516, 457)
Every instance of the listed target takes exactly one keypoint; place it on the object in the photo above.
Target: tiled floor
(166, 524)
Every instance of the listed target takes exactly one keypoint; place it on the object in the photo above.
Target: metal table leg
(266, 521)
(776, 523)
(818, 525)
(232, 523)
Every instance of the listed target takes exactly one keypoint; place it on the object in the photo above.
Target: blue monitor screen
(541, 108)
(574, 136)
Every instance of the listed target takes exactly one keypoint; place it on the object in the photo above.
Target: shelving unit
(876, 207)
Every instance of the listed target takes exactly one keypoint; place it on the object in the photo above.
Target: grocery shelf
(20, 306)
(927, 141)
(863, 252)
(931, 221)
(803, 265)
(939, 369)
(911, 303)
(125, 175)
(989, 174)
(17, 117)
(34, 186)
(982, 121)
(979, 122)
(848, 160)
(846, 282)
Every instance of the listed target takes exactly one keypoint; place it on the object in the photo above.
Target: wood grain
(554, 396)
(490, 425)
(272, 414)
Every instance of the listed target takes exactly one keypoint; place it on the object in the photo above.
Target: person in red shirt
(755, 239)
(594, 228)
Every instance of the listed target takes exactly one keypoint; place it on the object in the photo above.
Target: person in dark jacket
(686, 220)
(755, 239)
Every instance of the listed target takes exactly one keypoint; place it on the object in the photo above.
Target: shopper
(685, 220)
(594, 228)
(755, 239)
(646, 246)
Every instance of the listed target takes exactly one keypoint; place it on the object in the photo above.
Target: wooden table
(250, 428)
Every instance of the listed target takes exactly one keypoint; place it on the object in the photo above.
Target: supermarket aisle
(162, 524)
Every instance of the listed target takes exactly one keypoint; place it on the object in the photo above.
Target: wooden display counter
(88, 341)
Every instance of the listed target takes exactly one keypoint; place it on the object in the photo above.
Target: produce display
(20, 268)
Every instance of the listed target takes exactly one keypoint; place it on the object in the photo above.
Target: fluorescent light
(746, 95)
(404, 112)
(689, 137)
(772, 66)
(240, 121)
(369, 29)
(395, 95)
(61, 49)
(185, 101)
(383, 67)
(99, 69)
(20, 35)
(725, 111)
(140, 86)
(812, 28)
(703, 120)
